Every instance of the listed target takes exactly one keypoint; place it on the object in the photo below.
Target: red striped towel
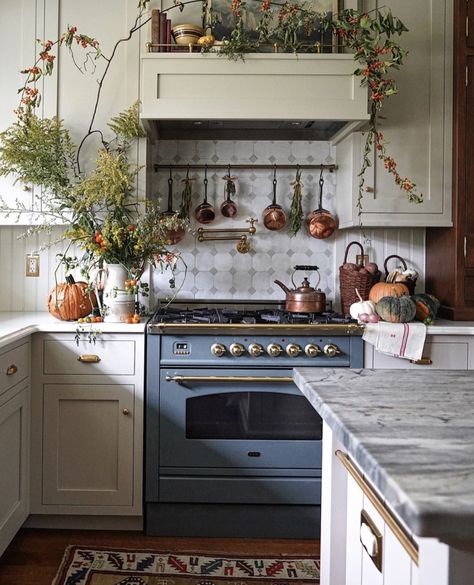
(404, 340)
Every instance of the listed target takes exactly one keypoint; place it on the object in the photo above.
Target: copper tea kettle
(304, 299)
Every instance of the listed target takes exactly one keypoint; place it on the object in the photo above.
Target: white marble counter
(14, 326)
(412, 433)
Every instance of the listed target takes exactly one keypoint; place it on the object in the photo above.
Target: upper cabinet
(416, 123)
(70, 93)
(450, 252)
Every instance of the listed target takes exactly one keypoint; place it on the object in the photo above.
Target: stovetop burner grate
(227, 316)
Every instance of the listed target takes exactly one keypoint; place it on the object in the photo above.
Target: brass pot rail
(243, 242)
(400, 534)
(246, 379)
(160, 167)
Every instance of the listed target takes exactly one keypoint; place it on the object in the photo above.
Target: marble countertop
(15, 326)
(412, 433)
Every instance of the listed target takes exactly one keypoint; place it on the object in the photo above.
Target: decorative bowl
(187, 34)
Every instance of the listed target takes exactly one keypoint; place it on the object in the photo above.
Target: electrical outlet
(32, 265)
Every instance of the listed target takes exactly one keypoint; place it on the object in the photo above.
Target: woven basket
(410, 283)
(349, 280)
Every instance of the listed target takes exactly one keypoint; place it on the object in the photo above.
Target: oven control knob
(236, 349)
(293, 350)
(331, 350)
(255, 349)
(274, 350)
(218, 349)
(312, 350)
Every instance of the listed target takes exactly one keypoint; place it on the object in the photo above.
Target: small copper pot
(228, 207)
(303, 299)
(321, 224)
(274, 216)
(204, 212)
(172, 236)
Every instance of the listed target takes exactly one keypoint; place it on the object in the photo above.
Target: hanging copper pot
(204, 212)
(305, 298)
(321, 224)
(229, 207)
(175, 234)
(274, 216)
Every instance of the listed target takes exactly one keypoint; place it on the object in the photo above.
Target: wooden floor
(34, 555)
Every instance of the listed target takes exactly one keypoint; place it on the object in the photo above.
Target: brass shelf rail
(306, 167)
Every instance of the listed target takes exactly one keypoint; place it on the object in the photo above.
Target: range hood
(266, 97)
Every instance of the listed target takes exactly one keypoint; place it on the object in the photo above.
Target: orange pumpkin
(387, 289)
(68, 301)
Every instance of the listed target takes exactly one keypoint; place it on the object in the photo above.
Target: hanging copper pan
(274, 216)
(321, 223)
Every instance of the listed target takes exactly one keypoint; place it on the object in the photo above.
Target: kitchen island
(403, 477)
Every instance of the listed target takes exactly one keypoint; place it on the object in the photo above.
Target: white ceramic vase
(120, 305)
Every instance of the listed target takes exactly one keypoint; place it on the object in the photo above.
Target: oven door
(236, 419)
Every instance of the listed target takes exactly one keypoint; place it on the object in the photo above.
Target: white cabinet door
(441, 352)
(417, 128)
(14, 463)
(88, 445)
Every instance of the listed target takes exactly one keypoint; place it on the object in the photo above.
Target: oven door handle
(258, 379)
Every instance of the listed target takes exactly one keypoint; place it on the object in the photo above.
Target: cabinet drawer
(14, 367)
(443, 355)
(114, 357)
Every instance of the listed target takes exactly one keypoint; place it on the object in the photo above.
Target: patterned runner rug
(102, 566)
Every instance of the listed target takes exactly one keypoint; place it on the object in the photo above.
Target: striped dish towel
(404, 340)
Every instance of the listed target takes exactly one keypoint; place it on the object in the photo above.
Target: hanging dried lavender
(296, 209)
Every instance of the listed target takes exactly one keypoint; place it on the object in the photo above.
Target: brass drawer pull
(11, 370)
(424, 361)
(89, 358)
(371, 539)
(262, 379)
(406, 542)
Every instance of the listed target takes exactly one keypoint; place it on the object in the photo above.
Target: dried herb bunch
(296, 209)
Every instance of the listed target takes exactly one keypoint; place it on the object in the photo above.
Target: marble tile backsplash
(216, 270)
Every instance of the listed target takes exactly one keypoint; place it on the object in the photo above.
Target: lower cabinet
(87, 429)
(14, 441)
(441, 352)
(374, 554)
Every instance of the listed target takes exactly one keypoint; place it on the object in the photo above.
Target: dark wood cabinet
(450, 251)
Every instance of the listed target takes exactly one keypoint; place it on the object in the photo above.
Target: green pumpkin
(426, 306)
(396, 309)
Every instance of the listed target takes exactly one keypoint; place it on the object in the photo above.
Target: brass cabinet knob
(293, 350)
(12, 369)
(274, 350)
(312, 350)
(125, 411)
(236, 349)
(255, 349)
(331, 350)
(218, 349)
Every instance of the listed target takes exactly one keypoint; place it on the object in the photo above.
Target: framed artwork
(251, 16)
